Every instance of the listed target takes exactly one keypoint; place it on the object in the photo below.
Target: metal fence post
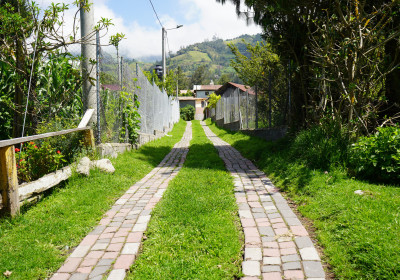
(98, 136)
(269, 99)
(247, 110)
(256, 125)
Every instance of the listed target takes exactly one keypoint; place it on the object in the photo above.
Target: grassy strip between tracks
(359, 233)
(35, 244)
(194, 232)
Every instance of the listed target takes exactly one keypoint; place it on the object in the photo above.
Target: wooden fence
(10, 197)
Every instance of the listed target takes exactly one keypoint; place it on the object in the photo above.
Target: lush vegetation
(187, 113)
(342, 57)
(259, 67)
(194, 232)
(377, 157)
(33, 57)
(36, 243)
(356, 232)
(213, 100)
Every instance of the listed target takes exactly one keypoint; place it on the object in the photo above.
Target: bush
(70, 145)
(187, 113)
(322, 146)
(35, 161)
(377, 157)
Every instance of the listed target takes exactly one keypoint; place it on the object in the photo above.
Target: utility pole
(164, 64)
(88, 51)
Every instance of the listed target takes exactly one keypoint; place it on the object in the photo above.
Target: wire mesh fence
(265, 106)
(123, 82)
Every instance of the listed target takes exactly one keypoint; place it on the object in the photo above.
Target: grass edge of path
(356, 232)
(36, 243)
(195, 231)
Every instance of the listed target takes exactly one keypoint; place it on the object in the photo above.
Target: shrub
(377, 157)
(187, 113)
(35, 161)
(70, 145)
(322, 146)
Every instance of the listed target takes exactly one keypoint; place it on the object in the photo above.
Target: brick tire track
(112, 247)
(277, 245)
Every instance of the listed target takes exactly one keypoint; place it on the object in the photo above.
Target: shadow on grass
(272, 157)
(206, 158)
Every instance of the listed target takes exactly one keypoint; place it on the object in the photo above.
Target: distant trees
(201, 76)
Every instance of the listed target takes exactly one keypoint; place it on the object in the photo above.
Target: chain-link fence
(266, 106)
(123, 83)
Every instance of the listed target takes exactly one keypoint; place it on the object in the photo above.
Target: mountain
(214, 56)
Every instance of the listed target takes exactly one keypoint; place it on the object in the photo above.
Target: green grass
(360, 234)
(195, 231)
(36, 243)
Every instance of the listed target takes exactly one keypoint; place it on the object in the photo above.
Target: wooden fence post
(88, 140)
(9, 180)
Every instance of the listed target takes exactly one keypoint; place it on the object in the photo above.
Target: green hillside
(214, 56)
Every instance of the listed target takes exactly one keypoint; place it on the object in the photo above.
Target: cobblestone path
(112, 247)
(277, 246)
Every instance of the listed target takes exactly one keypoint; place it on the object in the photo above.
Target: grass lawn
(360, 234)
(194, 232)
(36, 243)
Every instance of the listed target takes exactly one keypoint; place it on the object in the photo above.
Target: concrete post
(164, 64)
(88, 50)
(98, 86)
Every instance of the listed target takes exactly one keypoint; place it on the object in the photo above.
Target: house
(111, 87)
(230, 87)
(198, 103)
(203, 91)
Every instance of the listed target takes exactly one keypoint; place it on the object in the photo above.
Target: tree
(254, 68)
(349, 46)
(28, 36)
(200, 76)
(343, 57)
(261, 68)
(170, 81)
(213, 100)
(225, 78)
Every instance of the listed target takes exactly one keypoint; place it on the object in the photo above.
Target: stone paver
(112, 247)
(271, 229)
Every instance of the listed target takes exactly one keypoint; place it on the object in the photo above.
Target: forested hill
(214, 56)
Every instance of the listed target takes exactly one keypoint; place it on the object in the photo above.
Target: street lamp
(164, 66)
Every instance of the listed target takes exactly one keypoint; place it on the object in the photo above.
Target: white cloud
(208, 17)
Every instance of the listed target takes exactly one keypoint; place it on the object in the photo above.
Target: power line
(169, 51)
(156, 14)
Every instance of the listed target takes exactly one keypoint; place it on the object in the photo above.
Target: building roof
(206, 87)
(243, 88)
(111, 87)
(187, 98)
(209, 87)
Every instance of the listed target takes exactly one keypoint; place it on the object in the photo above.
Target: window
(207, 92)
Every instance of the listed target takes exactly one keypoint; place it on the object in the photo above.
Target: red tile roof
(209, 87)
(111, 87)
(243, 88)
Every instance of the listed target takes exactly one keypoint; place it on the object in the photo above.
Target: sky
(201, 20)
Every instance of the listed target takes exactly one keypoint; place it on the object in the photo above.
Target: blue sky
(201, 19)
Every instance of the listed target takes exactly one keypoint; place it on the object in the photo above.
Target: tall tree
(344, 56)
(200, 76)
